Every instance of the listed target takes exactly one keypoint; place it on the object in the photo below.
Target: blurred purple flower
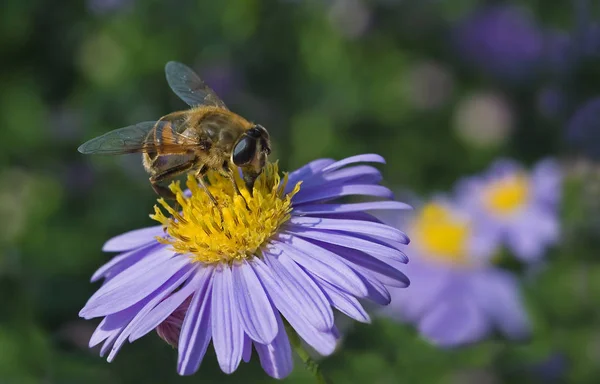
(551, 102)
(583, 128)
(518, 208)
(102, 7)
(221, 77)
(552, 369)
(456, 297)
(296, 253)
(502, 41)
(78, 177)
(559, 56)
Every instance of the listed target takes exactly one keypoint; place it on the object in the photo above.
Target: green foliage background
(69, 73)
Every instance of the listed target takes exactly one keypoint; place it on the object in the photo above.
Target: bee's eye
(244, 151)
(254, 132)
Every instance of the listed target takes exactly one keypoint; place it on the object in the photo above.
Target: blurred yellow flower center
(440, 235)
(503, 197)
(236, 232)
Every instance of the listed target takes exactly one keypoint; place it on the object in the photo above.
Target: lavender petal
(454, 323)
(247, 349)
(348, 241)
(359, 174)
(253, 307)
(496, 293)
(343, 208)
(174, 282)
(365, 158)
(301, 291)
(322, 342)
(354, 226)
(130, 287)
(228, 334)
(195, 330)
(276, 358)
(166, 307)
(343, 302)
(123, 261)
(322, 263)
(133, 239)
(328, 192)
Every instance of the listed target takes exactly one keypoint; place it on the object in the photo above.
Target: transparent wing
(137, 138)
(189, 87)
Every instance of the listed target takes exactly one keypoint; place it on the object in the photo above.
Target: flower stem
(311, 365)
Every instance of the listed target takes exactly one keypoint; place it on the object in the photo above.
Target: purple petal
(360, 174)
(322, 263)
(322, 342)
(387, 272)
(114, 323)
(344, 302)
(429, 285)
(123, 261)
(378, 293)
(166, 307)
(454, 323)
(227, 332)
(301, 291)
(247, 349)
(366, 158)
(133, 239)
(276, 358)
(343, 208)
(254, 309)
(349, 241)
(497, 294)
(174, 282)
(328, 192)
(195, 331)
(306, 172)
(109, 343)
(355, 226)
(132, 286)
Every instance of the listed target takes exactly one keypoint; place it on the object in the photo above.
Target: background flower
(517, 207)
(503, 41)
(456, 296)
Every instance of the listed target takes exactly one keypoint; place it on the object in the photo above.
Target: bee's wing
(189, 87)
(135, 138)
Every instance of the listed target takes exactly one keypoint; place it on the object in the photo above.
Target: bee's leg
(164, 191)
(228, 173)
(200, 177)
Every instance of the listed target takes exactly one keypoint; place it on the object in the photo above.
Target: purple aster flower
(248, 275)
(501, 40)
(456, 297)
(583, 128)
(518, 208)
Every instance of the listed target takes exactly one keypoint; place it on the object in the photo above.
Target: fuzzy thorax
(232, 231)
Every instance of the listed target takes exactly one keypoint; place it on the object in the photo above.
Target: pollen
(441, 235)
(236, 227)
(507, 195)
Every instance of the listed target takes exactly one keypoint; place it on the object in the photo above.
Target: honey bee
(206, 137)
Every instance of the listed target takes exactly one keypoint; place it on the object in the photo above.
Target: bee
(207, 137)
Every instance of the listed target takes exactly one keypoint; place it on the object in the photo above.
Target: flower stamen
(233, 230)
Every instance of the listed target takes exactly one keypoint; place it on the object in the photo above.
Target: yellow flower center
(441, 235)
(503, 197)
(231, 230)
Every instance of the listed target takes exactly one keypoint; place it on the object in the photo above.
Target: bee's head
(250, 153)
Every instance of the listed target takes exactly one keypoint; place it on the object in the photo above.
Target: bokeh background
(440, 88)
